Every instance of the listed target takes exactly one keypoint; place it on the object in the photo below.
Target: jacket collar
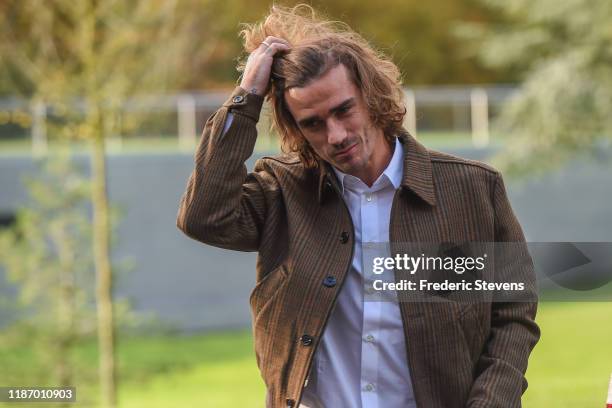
(417, 172)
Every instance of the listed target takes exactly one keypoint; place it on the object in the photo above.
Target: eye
(343, 110)
(313, 124)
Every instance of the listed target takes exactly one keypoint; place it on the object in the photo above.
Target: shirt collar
(417, 174)
(393, 172)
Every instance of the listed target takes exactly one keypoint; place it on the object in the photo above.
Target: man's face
(332, 115)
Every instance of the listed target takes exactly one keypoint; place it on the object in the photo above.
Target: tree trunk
(66, 333)
(104, 277)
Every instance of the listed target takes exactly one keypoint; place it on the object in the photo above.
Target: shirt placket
(370, 353)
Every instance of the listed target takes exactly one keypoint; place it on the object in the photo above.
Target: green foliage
(62, 48)
(46, 254)
(204, 44)
(418, 35)
(84, 60)
(563, 106)
(51, 238)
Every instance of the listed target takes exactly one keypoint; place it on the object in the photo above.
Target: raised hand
(256, 77)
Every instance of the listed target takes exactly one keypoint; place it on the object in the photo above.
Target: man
(351, 176)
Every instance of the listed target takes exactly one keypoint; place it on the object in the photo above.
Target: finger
(272, 40)
(275, 48)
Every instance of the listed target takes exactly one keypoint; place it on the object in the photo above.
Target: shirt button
(330, 281)
(369, 387)
(238, 99)
(306, 340)
(369, 338)
(368, 197)
(344, 237)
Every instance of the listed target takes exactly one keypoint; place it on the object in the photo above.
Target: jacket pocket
(266, 291)
(472, 332)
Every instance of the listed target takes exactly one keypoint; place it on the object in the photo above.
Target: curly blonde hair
(318, 45)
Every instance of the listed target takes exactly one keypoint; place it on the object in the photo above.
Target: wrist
(252, 89)
(245, 103)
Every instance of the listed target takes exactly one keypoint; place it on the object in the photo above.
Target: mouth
(346, 152)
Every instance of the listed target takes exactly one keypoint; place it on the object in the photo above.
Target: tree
(46, 254)
(564, 101)
(93, 54)
(418, 35)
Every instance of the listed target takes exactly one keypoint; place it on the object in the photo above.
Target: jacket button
(238, 99)
(328, 185)
(290, 403)
(344, 237)
(330, 281)
(306, 340)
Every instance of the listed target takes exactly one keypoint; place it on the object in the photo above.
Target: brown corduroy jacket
(459, 354)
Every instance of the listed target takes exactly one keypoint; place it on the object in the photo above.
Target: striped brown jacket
(459, 354)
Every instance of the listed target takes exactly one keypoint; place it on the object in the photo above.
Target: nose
(336, 132)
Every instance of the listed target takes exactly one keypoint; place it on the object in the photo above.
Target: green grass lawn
(570, 367)
(572, 363)
(203, 370)
(221, 373)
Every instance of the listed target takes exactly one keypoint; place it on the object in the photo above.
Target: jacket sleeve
(500, 371)
(222, 204)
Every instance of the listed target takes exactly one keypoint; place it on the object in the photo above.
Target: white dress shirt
(361, 359)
